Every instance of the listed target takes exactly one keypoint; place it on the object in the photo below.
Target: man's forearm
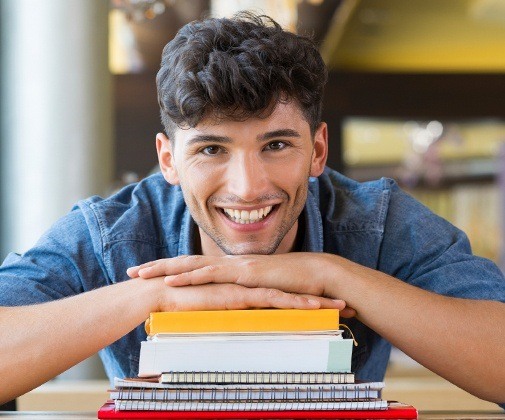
(462, 340)
(40, 341)
(44, 340)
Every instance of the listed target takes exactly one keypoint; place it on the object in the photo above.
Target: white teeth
(244, 216)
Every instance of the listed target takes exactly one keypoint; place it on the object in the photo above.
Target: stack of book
(263, 363)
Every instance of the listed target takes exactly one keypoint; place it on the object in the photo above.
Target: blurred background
(416, 92)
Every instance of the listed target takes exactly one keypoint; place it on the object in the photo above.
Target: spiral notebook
(257, 377)
(250, 392)
(393, 410)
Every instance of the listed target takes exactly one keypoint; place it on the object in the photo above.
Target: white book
(259, 353)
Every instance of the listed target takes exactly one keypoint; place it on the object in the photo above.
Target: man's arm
(40, 341)
(462, 340)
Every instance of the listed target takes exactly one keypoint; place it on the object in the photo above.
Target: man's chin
(248, 249)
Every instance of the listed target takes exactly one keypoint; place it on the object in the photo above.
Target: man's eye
(211, 150)
(276, 145)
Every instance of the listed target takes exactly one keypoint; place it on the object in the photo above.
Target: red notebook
(394, 411)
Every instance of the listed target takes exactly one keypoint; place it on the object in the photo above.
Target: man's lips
(247, 217)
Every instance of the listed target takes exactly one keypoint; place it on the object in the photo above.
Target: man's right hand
(233, 296)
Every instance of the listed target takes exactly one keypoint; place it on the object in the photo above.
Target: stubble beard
(280, 232)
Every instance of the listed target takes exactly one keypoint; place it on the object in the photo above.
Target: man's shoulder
(132, 194)
(140, 222)
(352, 205)
(135, 211)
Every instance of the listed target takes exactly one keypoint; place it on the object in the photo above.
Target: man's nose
(247, 178)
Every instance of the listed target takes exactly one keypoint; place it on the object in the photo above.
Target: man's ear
(164, 147)
(320, 152)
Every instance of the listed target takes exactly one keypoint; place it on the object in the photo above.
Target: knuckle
(273, 293)
(192, 258)
(212, 268)
(247, 273)
(233, 297)
(249, 264)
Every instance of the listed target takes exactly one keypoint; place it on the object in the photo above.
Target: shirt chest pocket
(119, 255)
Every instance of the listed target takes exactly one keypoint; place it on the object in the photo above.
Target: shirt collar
(313, 241)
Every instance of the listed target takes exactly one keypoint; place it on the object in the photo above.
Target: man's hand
(291, 276)
(234, 296)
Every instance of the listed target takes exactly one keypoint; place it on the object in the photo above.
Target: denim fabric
(374, 224)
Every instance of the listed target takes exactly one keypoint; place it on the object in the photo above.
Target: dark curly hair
(235, 69)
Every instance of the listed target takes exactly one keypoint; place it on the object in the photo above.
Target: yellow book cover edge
(250, 320)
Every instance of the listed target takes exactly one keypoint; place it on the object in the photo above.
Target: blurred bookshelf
(452, 167)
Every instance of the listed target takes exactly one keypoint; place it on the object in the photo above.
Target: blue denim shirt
(374, 224)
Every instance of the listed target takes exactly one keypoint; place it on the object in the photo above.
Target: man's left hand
(297, 272)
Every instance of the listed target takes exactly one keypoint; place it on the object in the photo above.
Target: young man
(244, 214)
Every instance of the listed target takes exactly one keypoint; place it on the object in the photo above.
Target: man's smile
(247, 216)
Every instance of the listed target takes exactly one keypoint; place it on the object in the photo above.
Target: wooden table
(86, 415)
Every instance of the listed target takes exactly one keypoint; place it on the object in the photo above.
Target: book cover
(394, 410)
(296, 353)
(250, 320)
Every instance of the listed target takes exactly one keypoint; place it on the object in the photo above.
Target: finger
(223, 274)
(232, 296)
(134, 271)
(204, 275)
(174, 266)
(242, 270)
(348, 312)
(275, 298)
(327, 303)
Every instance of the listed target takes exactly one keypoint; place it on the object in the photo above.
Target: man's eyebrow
(208, 138)
(285, 132)
(211, 138)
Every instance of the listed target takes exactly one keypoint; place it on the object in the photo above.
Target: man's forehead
(285, 119)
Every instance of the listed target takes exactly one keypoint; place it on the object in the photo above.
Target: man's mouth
(245, 216)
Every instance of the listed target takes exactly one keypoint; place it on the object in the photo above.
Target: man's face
(245, 182)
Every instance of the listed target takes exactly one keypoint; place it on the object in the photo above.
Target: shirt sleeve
(62, 263)
(427, 251)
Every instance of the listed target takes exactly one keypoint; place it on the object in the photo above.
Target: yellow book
(242, 321)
